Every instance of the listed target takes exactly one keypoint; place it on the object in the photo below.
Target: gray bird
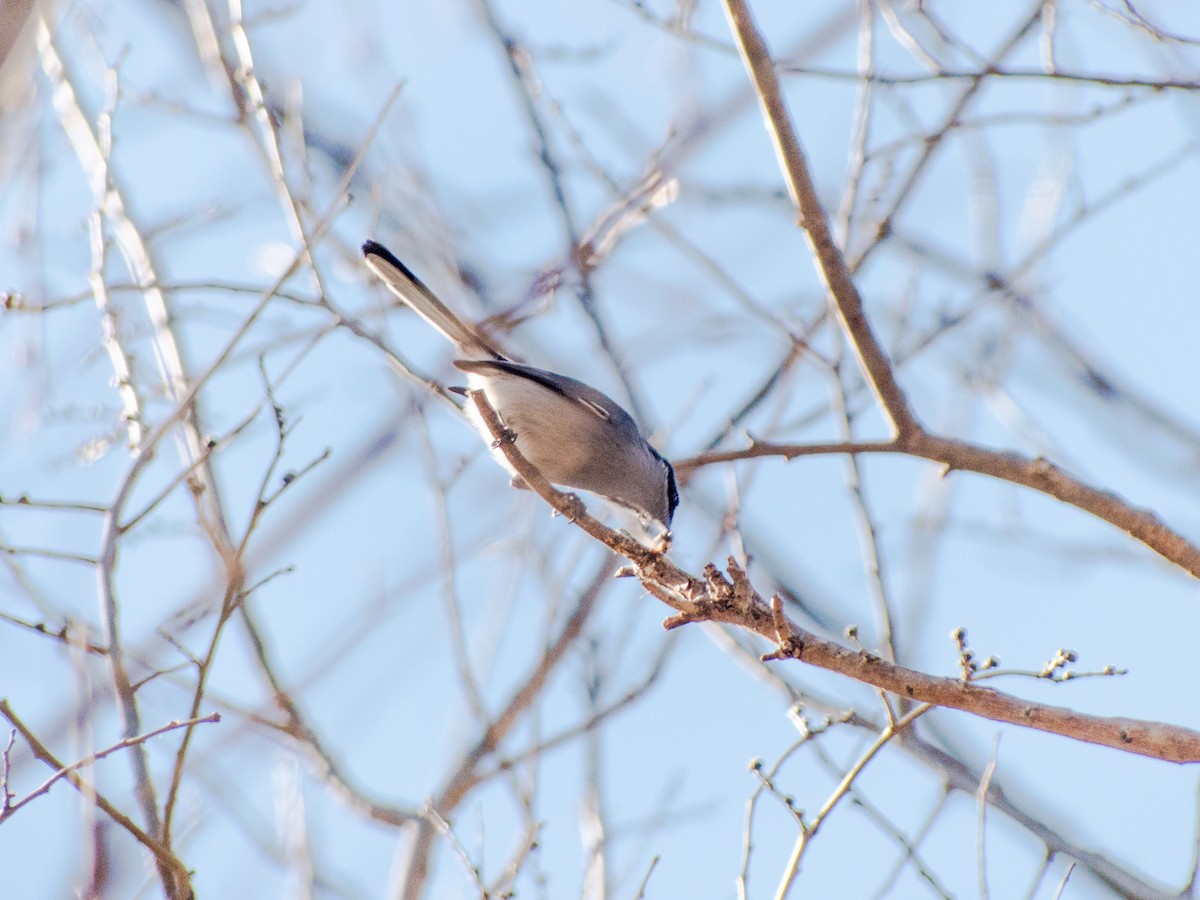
(574, 435)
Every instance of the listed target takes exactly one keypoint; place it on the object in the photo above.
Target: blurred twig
(65, 771)
(180, 883)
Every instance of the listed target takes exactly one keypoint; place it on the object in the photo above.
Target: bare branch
(808, 830)
(1033, 472)
(713, 600)
(123, 744)
(843, 294)
(179, 886)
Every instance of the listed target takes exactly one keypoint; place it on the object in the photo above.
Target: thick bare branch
(717, 599)
(831, 265)
(1031, 472)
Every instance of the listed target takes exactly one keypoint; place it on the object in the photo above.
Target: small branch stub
(789, 645)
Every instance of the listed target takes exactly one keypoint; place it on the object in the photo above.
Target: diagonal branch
(90, 759)
(168, 861)
(734, 601)
(909, 436)
(467, 775)
(831, 265)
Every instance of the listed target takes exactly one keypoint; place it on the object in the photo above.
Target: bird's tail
(409, 288)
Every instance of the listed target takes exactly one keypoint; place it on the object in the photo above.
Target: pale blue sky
(359, 630)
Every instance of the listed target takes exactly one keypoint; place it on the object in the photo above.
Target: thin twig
(640, 895)
(465, 776)
(985, 784)
(122, 744)
(180, 883)
(993, 72)
(520, 66)
(23, 501)
(809, 830)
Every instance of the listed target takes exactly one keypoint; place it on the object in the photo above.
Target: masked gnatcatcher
(574, 435)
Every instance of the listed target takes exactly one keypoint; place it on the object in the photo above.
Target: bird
(574, 435)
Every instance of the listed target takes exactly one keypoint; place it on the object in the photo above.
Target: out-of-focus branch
(466, 774)
(328, 770)
(248, 93)
(15, 19)
(1189, 85)
(109, 198)
(520, 66)
(936, 137)
(64, 772)
(868, 532)
(168, 861)
(236, 591)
